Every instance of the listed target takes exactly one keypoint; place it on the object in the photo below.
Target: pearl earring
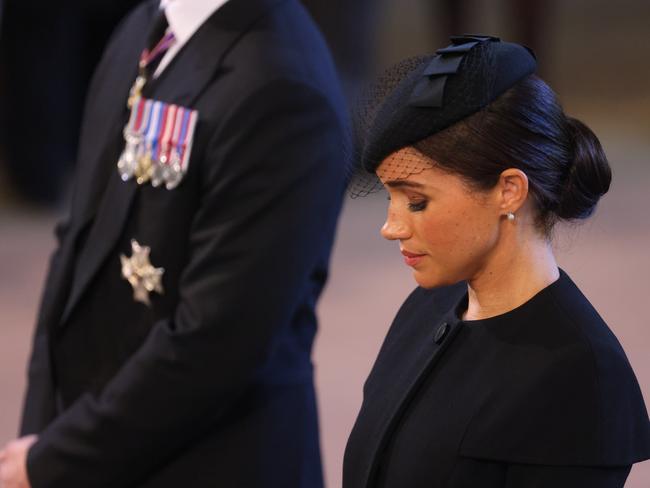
(511, 216)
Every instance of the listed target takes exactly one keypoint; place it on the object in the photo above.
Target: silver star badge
(138, 271)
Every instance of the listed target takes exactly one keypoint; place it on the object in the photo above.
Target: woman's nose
(394, 228)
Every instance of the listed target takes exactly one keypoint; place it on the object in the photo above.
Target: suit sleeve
(273, 180)
(39, 406)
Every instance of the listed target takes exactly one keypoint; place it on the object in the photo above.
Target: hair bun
(589, 174)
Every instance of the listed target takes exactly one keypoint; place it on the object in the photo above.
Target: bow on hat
(428, 92)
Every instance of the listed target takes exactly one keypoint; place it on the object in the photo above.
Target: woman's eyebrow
(404, 183)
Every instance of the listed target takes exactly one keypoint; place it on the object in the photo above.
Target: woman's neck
(520, 267)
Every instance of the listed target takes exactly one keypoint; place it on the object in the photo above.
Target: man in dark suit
(174, 336)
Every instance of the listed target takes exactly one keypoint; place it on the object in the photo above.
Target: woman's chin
(433, 280)
(428, 280)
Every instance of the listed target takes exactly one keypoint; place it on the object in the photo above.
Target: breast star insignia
(138, 271)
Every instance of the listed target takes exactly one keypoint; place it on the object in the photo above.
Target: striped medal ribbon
(158, 143)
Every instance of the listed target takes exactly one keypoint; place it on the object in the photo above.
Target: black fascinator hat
(422, 96)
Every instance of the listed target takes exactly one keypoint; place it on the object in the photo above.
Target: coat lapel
(395, 398)
(181, 83)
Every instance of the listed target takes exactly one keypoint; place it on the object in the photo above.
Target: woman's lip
(412, 261)
(409, 254)
(410, 258)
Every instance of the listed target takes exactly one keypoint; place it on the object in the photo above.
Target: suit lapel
(195, 65)
(181, 83)
(101, 131)
(108, 105)
(414, 369)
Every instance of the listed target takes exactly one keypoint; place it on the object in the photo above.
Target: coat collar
(181, 83)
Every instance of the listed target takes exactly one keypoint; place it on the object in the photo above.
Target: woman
(497, 371)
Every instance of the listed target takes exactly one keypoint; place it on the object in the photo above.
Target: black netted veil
(365, 111)
(422, 96)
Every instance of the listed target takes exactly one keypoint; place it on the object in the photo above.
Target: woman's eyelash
(417, 206)
(414, 206)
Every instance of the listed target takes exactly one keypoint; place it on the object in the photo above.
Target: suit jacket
(212, 384)
(542, 396)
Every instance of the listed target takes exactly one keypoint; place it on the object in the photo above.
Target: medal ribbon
(189, 138)
(147, 57)
(160, 141)
(176, 133)
(167, 134)
(180, 149)
(152, 128)
(145, 123)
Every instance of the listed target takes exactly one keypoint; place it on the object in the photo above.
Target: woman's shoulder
(569, 309)
(591, 345)
(568, 395)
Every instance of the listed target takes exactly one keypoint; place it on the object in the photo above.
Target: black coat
(212, 385)
(542, 396)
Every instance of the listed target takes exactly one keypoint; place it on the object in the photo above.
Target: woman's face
(447, 232)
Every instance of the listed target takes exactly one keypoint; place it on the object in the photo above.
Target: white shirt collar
(186, 16)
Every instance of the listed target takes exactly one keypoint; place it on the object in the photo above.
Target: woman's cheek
(441, 233)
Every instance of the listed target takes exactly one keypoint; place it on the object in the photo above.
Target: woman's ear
(512, 190)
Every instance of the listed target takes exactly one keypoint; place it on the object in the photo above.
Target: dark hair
(526, 128)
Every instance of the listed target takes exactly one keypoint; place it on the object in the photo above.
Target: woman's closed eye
(417, 206)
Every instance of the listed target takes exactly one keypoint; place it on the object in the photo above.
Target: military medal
(158, 143)
(159, 174)
(141, 274)
(128, 161)
(182, 147)
(135, 93)
(144, 169)
(157, 136)
(145, 166)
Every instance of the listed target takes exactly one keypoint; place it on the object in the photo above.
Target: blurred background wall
(594, 53)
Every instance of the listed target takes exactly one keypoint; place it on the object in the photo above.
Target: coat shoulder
(283, 43)
(564, 392)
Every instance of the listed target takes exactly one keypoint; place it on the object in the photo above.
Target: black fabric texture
(542, 395)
